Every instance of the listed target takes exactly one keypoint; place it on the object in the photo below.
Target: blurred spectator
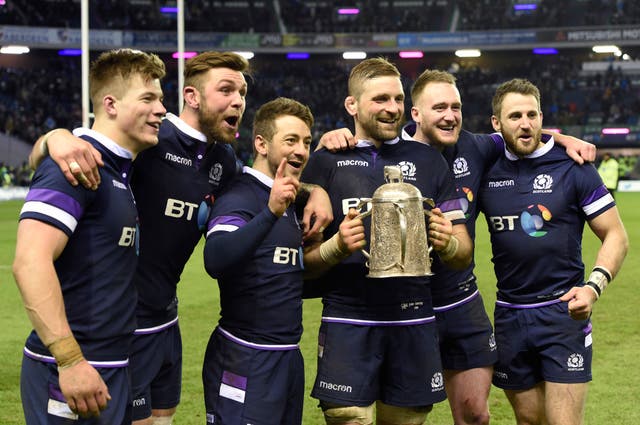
(609, 172)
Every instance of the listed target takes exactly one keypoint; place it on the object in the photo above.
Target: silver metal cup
(399, 245)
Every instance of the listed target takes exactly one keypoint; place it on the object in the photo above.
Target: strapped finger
(75, 167)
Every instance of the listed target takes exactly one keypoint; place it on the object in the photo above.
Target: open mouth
(388, 120)
(232, 121)
(295, 164)
(447, 128)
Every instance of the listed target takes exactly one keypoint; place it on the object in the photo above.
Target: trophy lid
(395, 189)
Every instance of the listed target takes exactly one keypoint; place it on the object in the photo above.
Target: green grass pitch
(612, 394)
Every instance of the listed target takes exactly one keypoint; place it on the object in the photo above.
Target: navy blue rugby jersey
(349, 176)
(260, 295)
(536, 210)
(468, 160)
(169, 182)
(97, 265)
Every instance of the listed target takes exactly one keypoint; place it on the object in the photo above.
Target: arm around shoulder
(78, 159)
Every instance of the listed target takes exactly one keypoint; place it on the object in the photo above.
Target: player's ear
(109, 105)
(415, 114)
(261, 145)
(191, 97)
(351, 105)
(495, 123)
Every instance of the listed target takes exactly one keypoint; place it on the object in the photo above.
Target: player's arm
(38, 245)
(320, 256)
(225, 249)
(450, 241)
(227, 245)
(609, 229)
(77, 158)
(318, 212)
(577, 149)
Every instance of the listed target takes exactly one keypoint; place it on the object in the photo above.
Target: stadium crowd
(321, 16)
(35, 100)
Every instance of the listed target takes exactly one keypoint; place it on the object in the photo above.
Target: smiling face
(139, 113)
(437, 111)
(221, 104)
(378, 109)
(520, 123)
(291, 140)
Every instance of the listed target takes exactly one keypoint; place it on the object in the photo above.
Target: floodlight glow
(348, 11)
(354, 55)
(605, 49)
(613, 130)
(468, 53)
(3, 2)
(185, 55)
(411, 54)
(525, 6)
(246, 55)
(297, 56)
(555, 130)
(70, 52)
(545, 51)
(168, 10)
(14, 50)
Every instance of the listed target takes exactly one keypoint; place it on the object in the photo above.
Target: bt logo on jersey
(177, 209)
(532, 220)
(286, 255)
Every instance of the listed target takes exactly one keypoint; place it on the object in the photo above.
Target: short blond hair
(367, 70)
(110, 72)
(427, 77)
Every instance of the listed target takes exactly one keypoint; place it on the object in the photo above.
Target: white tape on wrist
(599, 279)
(330, 251)
(450, 251)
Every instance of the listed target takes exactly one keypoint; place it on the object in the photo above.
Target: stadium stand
(42, 90)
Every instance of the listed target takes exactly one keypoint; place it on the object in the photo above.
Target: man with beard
(194, 158)
(378, 338)
(465, 333)
(536, 202)
(253, 369)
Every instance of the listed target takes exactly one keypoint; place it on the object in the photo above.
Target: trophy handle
(361, 216)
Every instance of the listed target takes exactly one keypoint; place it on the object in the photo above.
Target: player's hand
(83, 388)
(77, 158)
(581, 300)
(283, 191)
(352, 237)
(440, 230)
(337, 140)
(318, 211)
(581, 151)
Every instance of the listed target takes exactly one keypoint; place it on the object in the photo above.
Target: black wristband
(604, 271)
(595, 287)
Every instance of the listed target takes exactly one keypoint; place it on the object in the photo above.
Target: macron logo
(119, 185)
(502, 183)
(336, 387)
(355, 162)
(178, 159)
